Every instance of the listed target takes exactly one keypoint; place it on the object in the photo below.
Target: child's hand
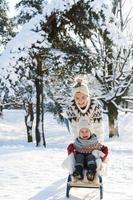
(104, 149)
(70, 148)
(104, 158)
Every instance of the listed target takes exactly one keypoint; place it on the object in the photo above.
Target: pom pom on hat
(78, 82)
(81, 87)
(83, 123)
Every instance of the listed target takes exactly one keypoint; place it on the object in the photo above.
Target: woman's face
(81, 99)
(85, 133)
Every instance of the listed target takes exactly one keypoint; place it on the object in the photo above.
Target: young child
(83, 147)
(83, 106)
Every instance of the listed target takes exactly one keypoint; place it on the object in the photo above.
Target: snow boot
(78, 173)
(90, 175)
(91, 171)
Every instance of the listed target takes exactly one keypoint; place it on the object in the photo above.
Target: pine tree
(6, 25)
(6, 33)
(27, 10)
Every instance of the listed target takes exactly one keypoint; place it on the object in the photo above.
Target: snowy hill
(30, 173)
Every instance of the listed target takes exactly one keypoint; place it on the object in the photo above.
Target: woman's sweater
(92, 113)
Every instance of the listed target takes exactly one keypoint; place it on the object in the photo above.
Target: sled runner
(96, 184)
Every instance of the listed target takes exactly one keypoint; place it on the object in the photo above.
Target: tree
(118, 77)
(6, 33)
(6, 25)
(29, 108)
(28, 9)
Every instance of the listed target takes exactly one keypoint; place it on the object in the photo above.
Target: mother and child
(85, 122)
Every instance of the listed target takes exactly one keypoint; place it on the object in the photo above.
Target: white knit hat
(80, 86)
(83, 123)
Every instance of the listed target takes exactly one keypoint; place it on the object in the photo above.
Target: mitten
(70, 148)
(104, 149)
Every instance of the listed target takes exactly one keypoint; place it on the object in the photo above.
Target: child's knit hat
(80, 86)
(83, 123)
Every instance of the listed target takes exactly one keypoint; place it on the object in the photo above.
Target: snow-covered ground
(30, 173)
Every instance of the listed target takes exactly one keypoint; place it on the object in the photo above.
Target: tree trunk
(1, 110)
(113, 120)
(39, 104)
(1, 107)
(29, 117)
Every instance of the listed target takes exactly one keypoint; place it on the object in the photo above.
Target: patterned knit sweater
(87, 146)
(92, 113)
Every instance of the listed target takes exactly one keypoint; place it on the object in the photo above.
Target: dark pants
(85, 161)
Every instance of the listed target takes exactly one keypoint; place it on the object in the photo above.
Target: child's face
(85, 133)
(81, 99)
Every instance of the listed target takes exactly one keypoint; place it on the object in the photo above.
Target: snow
(11, 5)
(31, 173)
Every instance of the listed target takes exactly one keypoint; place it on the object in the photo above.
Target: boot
(90, 175)
(91, 172)
(78, 173)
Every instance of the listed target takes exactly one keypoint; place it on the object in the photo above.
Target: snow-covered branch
(122, 109)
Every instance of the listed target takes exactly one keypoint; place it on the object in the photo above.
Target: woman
(83, 106)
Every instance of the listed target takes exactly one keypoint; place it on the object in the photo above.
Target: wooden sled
(96, 184)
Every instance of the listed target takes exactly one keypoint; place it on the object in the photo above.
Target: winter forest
(44, 45)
